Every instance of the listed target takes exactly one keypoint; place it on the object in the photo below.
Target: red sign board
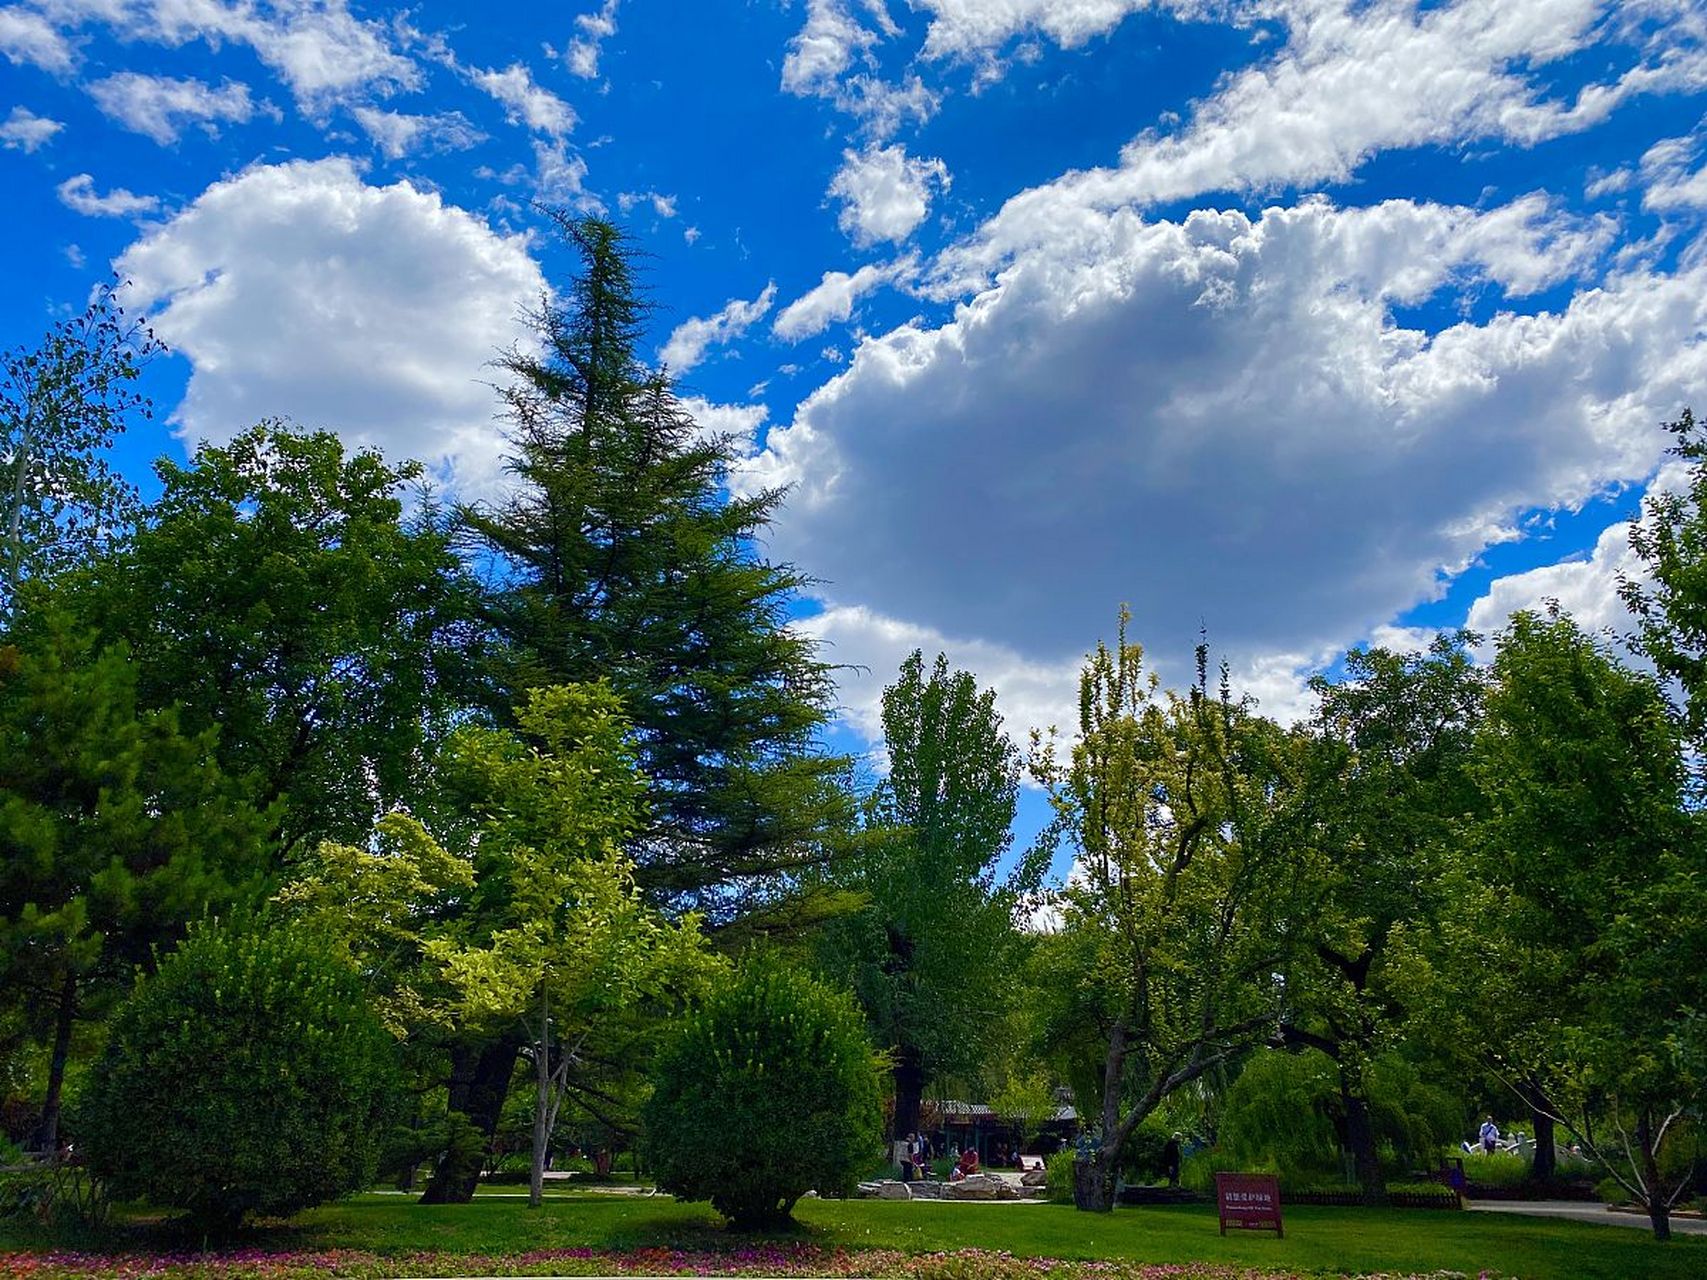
(1249, 1201)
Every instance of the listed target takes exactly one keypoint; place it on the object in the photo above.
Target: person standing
(1170, 1160)
(1490, 1136)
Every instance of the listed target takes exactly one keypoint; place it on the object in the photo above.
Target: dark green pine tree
(623, 555)
(116, 828)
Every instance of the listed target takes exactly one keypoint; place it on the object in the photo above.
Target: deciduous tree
(1177, 805)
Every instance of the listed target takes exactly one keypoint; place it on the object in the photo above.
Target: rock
(979, 1186)
(894, 1191)
(926, 1190)
(1034, 1178)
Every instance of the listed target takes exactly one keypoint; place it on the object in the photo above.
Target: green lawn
(1337, 1240)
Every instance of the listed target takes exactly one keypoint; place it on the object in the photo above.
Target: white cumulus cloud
(298, 290)
(1221, 421)
(28, 39)
(527, 102)
(591, 31)
(690, 340)
(885, 193)
(828, 302)
(25, 131)
(397, 133)
(79, 195)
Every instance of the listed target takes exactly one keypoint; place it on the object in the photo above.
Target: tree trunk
(479, 1083)
(1360, 1137)
(541, 1105)
(1093, 1183)
(909, 1076)
(1546, 1165)
(1659, 1212)
(47, 1131)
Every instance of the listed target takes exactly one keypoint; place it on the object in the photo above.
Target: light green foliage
(380, 904)
(1178, 806)
(116, 827)
(630, 561)
(1286, 1112)
(1670, 598)
(571, 926)
(246, 1076)
(278, 590)
(931, 957)
(540, 932)
(1585, 920)
(62, 404)
(767, 1091)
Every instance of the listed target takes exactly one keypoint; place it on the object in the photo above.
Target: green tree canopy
(280, 591)
(1388, 791)
(1179, 807)
(248, 1075)
(62, 404)
(931, 957)
(768, 1091)
(116, 827)
(1575, 953)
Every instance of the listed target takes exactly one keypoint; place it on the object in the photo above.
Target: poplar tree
(622, 555)
(931, 955)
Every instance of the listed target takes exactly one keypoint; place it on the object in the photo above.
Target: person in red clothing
(968, 1162)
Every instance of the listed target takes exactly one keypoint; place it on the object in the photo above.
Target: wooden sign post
(1250, 1202)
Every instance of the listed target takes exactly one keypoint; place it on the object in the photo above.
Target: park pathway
(1577, 1211)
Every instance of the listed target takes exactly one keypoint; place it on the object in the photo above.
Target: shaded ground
(1577, 1211)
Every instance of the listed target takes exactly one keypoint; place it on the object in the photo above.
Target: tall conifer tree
(622, 555)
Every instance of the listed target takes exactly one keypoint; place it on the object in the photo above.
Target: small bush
(1502, 1169)
(1611, 1191)
(247, 1076)
(1060, 1169)
(768, 1091)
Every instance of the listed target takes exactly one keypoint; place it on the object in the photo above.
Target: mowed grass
(1317, 1239)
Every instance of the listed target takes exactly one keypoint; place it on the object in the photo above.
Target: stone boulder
(890, 1190)
(925, 1190)
(979, 1186)
(1034, 1178)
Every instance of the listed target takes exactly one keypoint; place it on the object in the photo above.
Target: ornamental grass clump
(247, 1075)
(768, 1091)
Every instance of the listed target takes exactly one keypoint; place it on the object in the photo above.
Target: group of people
(1489, 1140)
(913, 1153)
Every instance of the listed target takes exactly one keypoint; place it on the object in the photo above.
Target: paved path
(1578, 1211)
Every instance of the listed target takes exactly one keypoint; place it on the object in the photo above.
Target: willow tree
(1178, 806)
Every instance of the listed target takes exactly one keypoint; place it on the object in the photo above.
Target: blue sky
(1307, 322)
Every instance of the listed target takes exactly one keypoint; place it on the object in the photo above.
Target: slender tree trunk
(541, 1103)
(47, 1131)
(1093, 1179)
(909, 1077)
(1360, 1137)
(479, 1083)
(1659, 1213)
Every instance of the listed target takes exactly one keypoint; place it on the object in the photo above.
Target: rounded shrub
(768, 1091)
(247, 1075)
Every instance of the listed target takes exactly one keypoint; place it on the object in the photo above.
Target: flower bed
(759, 1260)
